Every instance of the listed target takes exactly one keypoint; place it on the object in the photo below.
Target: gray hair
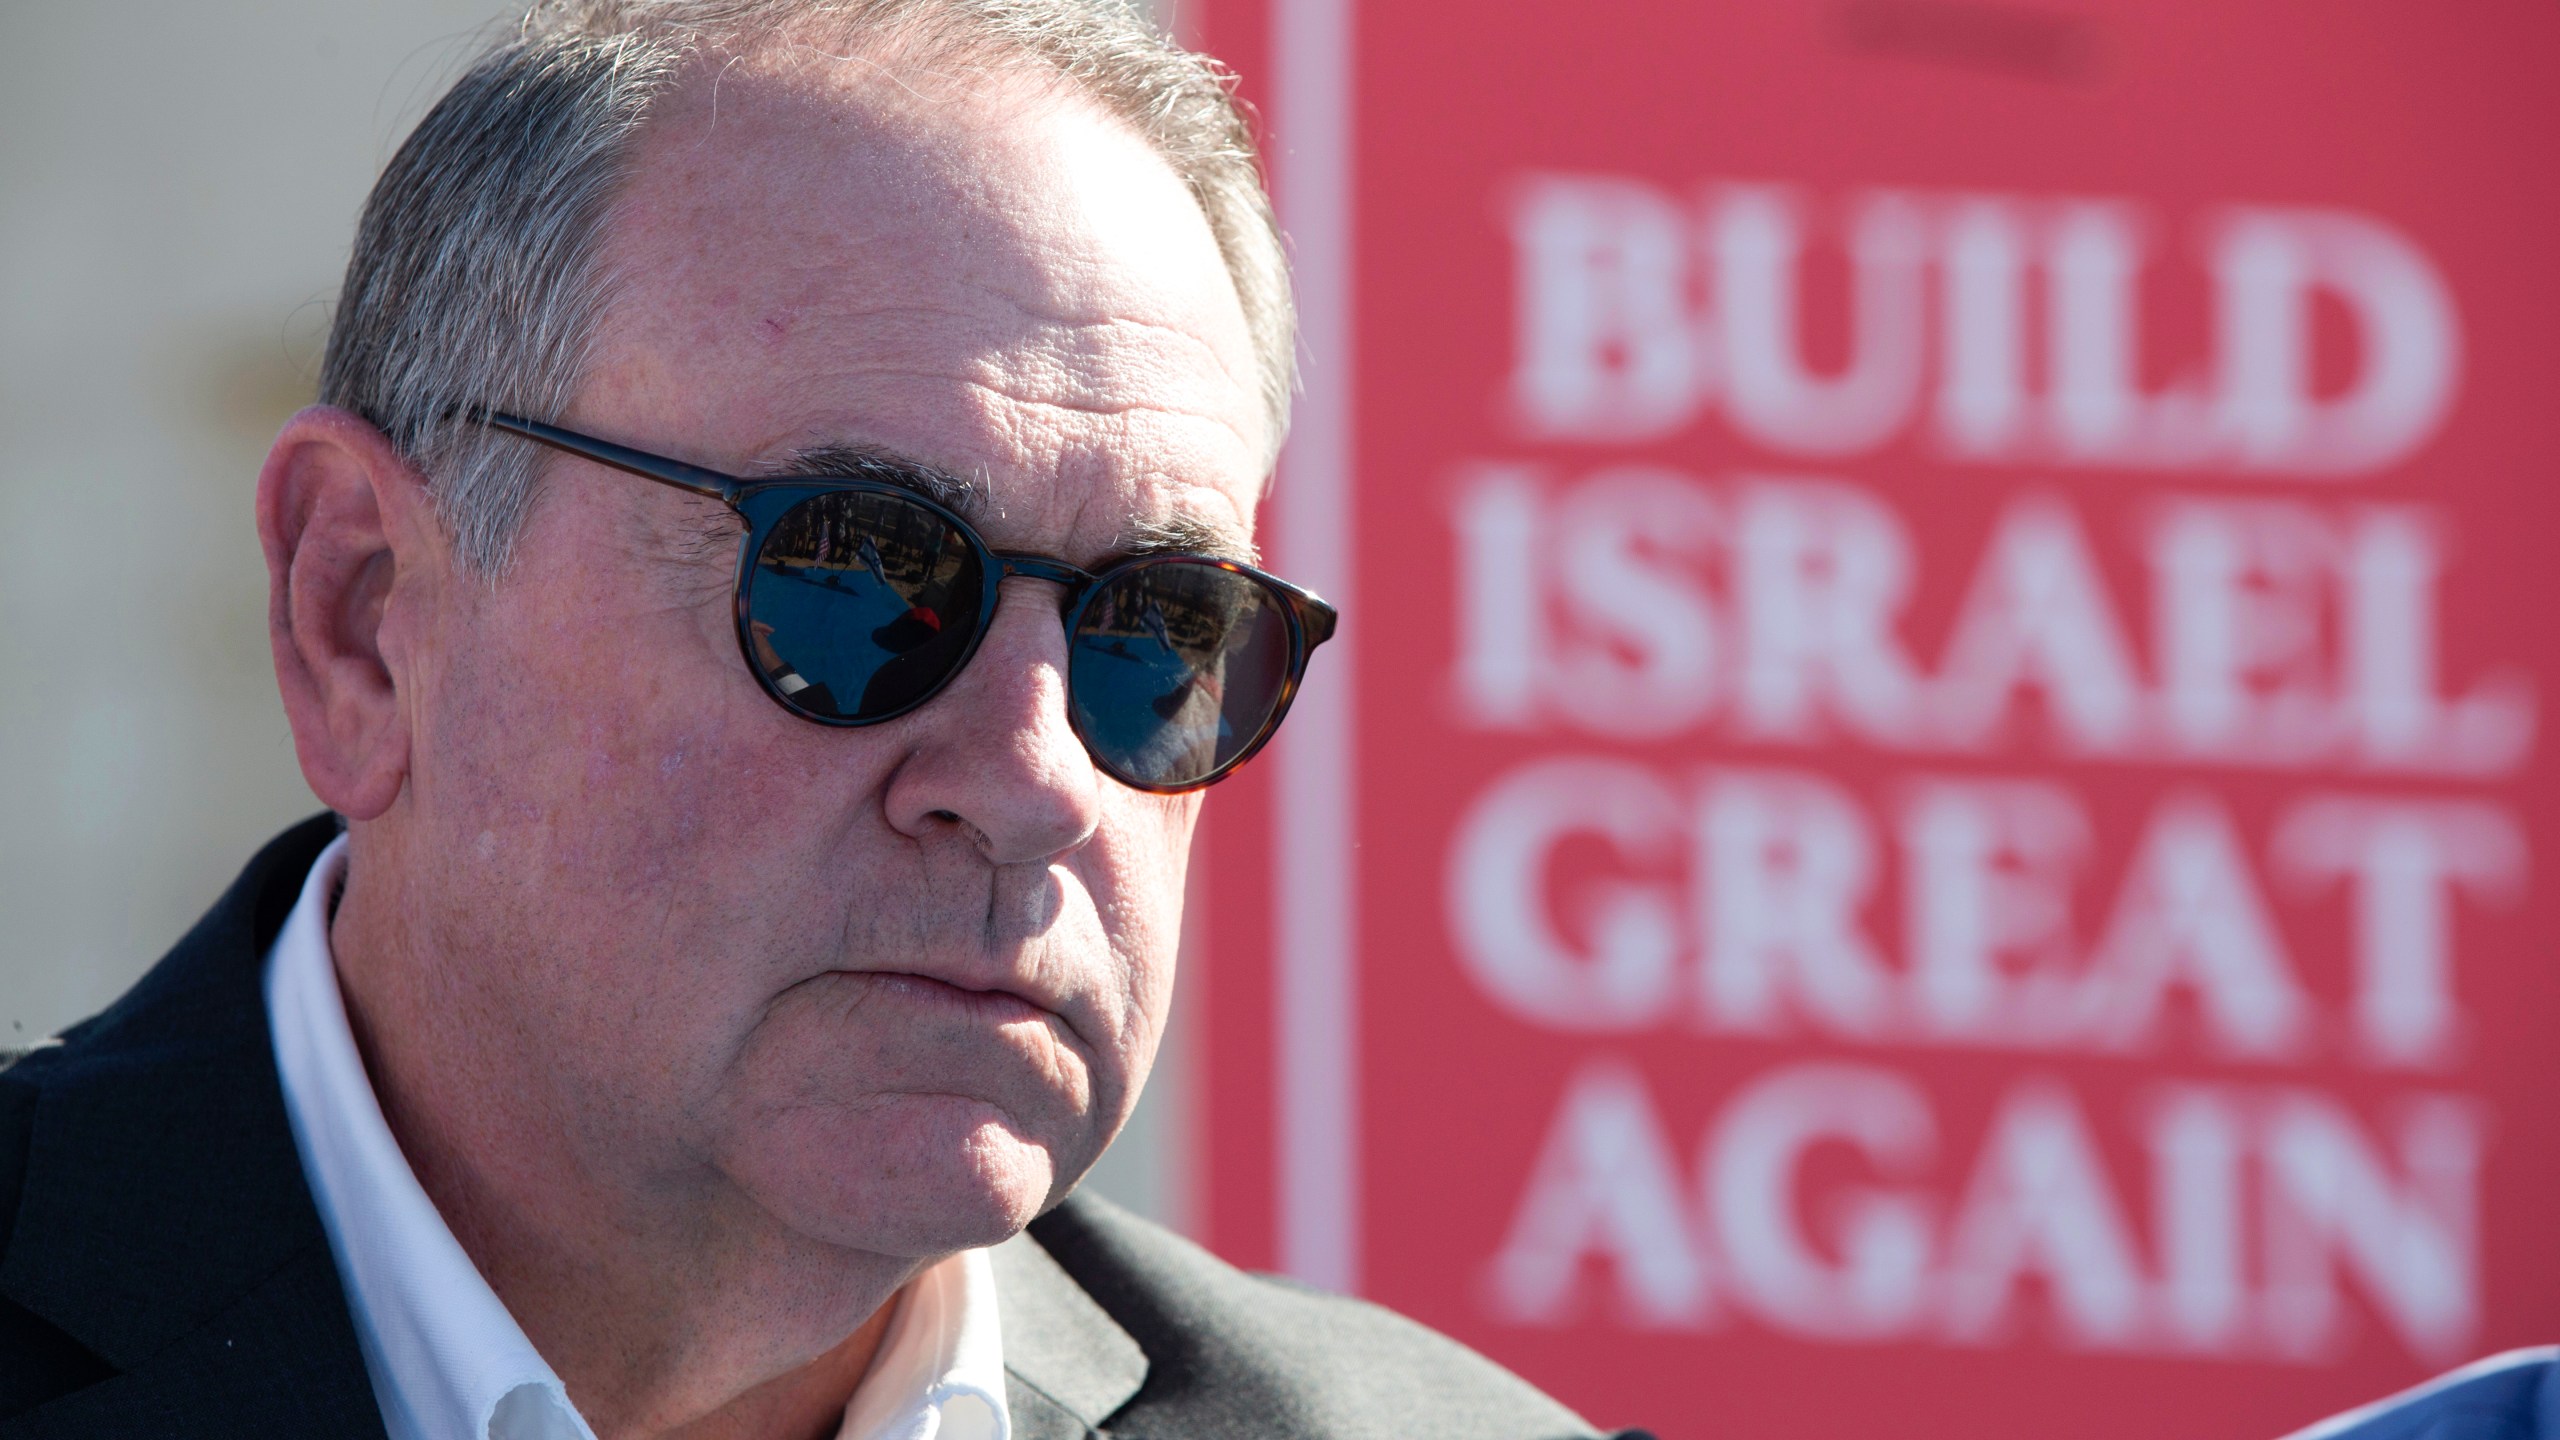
(476, 280)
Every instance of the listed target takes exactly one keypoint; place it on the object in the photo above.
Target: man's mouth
(981, 1007)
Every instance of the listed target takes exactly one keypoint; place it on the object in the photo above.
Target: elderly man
(766, 586)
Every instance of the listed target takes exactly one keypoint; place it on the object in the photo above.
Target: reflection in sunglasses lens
(861, 603)
(1175, 669)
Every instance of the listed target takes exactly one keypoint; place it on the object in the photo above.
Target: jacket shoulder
(38, 1363)
(1231, 1354)
(162, 1267)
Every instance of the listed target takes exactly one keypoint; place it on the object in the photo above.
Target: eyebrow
(1173, 535)
(860, 462)
(1189, 535)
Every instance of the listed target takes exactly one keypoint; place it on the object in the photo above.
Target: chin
(912, 1176)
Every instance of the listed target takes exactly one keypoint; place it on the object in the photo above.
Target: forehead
(976, 272)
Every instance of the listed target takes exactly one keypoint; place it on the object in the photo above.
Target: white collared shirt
(446, 1359)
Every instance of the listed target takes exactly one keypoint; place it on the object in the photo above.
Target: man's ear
(348, 529)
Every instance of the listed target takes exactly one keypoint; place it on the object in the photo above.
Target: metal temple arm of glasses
(694, 479)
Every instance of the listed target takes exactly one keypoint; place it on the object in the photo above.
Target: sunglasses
(858, 599)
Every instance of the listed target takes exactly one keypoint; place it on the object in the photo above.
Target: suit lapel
(1037, 1417)
(1069, 1364)
(163, 1220)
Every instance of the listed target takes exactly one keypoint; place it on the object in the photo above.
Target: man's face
(895, 987)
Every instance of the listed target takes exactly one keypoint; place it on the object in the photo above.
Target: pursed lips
(992, 1008)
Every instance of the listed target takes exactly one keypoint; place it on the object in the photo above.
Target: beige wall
(178, 182)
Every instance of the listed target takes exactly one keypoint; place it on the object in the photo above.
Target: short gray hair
(476, 280)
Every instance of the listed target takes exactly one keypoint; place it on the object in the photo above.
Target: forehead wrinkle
(1090, 364)
(1013, 308)
(1120, 346)
(1179, 532)
(1123, 413)
(1108, 456)
(999, 382)
(1104, 451)
(1105, 346)
(1069, 367)
(1002, 430)
(1043, 380)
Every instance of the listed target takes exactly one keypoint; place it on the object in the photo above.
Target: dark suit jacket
(165, 1272)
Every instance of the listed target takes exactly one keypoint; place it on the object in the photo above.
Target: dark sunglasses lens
(862, 604)
(1175, 669)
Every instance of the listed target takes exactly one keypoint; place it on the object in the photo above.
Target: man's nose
(994, 754)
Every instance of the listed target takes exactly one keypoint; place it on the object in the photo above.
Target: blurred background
(1932, 798)
(180, 184)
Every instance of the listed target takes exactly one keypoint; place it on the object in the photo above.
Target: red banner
(1933, 803)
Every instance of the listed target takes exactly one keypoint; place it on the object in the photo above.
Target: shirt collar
(445, 1357)
(939, 1374)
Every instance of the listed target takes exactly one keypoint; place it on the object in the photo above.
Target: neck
(668, 1302)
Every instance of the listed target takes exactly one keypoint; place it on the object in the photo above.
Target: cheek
(615, 805)
(1137, 884)
(604, 748)
(552, 721)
